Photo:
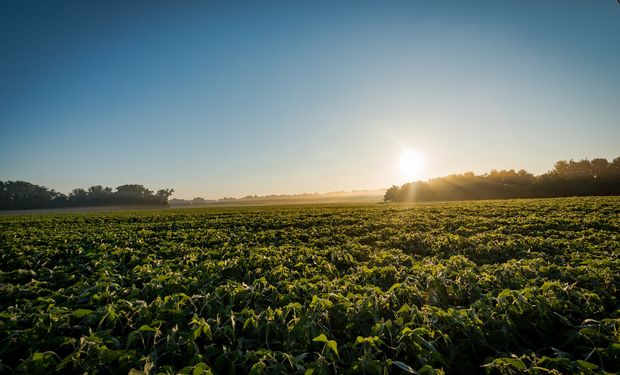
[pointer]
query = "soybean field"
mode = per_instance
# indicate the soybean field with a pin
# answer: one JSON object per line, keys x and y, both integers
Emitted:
{"x": 500, "y": 287}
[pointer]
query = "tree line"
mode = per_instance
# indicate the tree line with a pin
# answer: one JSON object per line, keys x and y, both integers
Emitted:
{"x": 25, "y": 195}
{"x": 567, "y": 178}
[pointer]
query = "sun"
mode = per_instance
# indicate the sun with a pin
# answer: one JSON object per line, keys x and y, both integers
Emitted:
{"x": 411, "y": 165}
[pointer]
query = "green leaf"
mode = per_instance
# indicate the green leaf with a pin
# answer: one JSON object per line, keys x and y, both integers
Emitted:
{"x": 586, "y": 364}
{"x": 393, "y": 287}
{"x": 320, "y": 338}
{"x": 80, "y": 313}
{"x": 333, "y": 345}
{"x": 516, "y": 363}
{"x": 147, "y": 328}
{"x": 257, "y": 368}
{"x": 403, "y": 366}
{"x": 249, "y": 323}
{"x": 426, "y": 369}
{"x": 202, "y": 368}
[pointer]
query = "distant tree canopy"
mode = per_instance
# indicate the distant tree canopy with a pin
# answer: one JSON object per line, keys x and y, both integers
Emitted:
{"x": 24, "y": 195}
{"x": 567, "y": 178}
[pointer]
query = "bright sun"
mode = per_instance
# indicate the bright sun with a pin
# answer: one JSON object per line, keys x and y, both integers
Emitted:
{"x": 411, "y": 165}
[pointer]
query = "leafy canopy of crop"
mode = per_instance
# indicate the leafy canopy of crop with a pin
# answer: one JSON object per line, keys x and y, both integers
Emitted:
{"x": 497, "y": 286}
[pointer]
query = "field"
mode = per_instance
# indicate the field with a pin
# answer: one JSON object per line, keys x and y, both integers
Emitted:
{"x": 468, "y": 287}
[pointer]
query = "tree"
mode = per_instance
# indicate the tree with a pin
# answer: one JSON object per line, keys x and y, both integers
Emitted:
{"x": 22, "y": 194}
{"x": 614, "y": 167}
{"x": 198, "y": 201}
{"x": 133, "y": 190}
{"x": 133, "y": 194}
{"x": 99, "y": 190}
{"x": 392, "y": 194}
{"x": 163, "y": 195}
{"x": 567, "y": 178}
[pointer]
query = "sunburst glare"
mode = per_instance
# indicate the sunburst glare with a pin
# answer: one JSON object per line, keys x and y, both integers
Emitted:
{"x": 412, "y": 165}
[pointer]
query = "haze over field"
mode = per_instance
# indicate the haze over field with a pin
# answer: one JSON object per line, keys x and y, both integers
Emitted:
{"x": 218, "y": 99}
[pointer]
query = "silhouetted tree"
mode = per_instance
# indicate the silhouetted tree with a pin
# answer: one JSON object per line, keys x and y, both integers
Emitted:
{"x": 163, "y": 194}
{"x": 392, "y": 194}
{"x": 79, "y": 196}
{"x": 614, "y": 167}
{"x": 567, "y": 178}
{"x": 21, "y": 194}
{"x": 198, "y": 201}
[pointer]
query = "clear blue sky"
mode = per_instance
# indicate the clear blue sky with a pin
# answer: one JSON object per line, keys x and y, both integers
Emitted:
{"x": 233, "y": 98}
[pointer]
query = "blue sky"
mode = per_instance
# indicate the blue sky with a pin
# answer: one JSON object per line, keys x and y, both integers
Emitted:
{"x": 233, "y": 98}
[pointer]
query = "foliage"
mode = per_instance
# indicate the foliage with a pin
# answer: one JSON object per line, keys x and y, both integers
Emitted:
{"x": 568, "y": 178}
{"x": 524, "y": 286}
{"x": 21, "y": 194}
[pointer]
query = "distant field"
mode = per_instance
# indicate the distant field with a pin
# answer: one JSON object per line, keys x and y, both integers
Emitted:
{"x": 465, "y": 287}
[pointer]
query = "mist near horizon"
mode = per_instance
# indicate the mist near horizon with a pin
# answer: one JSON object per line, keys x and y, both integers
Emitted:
{"x": 220, "y": 99}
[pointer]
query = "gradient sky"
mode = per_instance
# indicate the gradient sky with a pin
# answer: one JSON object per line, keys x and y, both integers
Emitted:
{"x": 226, "y": 99}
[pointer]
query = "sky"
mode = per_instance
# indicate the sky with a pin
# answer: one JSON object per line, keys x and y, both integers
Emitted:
{"x": 216, "y": 98}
